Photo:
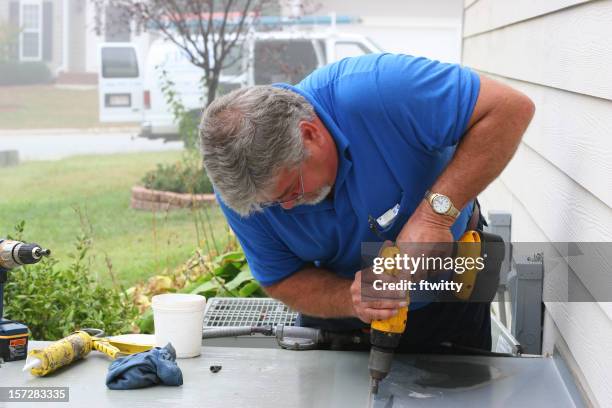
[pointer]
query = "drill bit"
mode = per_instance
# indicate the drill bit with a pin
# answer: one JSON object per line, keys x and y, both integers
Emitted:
{"x": 389, "y": 403}
{"x": 40, "y": 252}
{"x": 374, "y": 386}
{"x": 371, "y": 393}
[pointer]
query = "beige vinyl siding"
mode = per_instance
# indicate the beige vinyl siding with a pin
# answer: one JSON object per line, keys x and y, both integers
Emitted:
{"x": 487, "y": 15}
{"x": 558, "y": 186}
{"x": 553, "y": 135}
{"x": 569, "y": 49}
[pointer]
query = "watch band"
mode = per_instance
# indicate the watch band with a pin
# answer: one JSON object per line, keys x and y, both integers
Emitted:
{"x": 451, "y": 212}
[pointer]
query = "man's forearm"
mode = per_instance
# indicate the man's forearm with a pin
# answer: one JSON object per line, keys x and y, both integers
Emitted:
{"x": 488, "y": 145}
{"x": 315, "y": 292}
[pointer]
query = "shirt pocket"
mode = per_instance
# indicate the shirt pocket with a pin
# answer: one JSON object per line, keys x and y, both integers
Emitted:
{"x": 390, "y": 231}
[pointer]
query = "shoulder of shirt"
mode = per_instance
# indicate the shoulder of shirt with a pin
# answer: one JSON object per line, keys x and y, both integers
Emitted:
{"x": 340, "y": 70}
{"x": 350, "y": 67}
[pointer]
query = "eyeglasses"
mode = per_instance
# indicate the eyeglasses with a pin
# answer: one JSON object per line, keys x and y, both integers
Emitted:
{"x": 293, "y": 197}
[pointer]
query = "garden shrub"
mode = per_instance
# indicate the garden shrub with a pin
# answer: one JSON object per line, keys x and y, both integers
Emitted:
{"x": 225, "y": 275}
{"x": 54, "y": 301}
{"x": 188, "y": 174}
{"x": 184, "y": 176}
{"x": 24, "y": 73}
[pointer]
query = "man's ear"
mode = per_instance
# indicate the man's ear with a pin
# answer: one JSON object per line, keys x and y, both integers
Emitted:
{"x": 311, "y": 133}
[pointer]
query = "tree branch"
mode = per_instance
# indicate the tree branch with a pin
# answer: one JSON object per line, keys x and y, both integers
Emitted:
{"x": 194, "y": 27}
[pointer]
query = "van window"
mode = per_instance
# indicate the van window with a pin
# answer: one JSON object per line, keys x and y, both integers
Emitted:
{"x": 235, "y": 59}
{"x": 226, "y": 87}
{"x": 323, "y": 50}
{"x": 283, "y": 61}
{"x": 346, "y": 49}
{"x": 119, "y": 62}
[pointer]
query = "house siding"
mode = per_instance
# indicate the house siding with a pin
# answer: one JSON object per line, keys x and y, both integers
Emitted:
{"x": 557, "y": 186}
{"x": 51, "y": 32}
{"x": 58, "y": 24}
{"x": 4, "y": 11}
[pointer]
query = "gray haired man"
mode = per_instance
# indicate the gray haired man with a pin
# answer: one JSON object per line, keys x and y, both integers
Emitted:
{"x": 300, "y": 172}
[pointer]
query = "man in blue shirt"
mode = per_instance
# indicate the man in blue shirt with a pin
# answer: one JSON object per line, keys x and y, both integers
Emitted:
{"x": 300, "y": 172}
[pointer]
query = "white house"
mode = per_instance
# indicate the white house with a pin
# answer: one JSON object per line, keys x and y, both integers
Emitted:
{"x": 63, "y": 34}
{"x": 558, "y": 187}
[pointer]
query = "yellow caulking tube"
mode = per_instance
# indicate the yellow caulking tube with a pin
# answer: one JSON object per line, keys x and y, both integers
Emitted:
{"x": 58, "y": 354}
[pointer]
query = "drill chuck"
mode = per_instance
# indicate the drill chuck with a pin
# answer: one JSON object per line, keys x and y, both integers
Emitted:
{"x": 380, "y": 363}
{"x": 381, "y": 355}
{"x": 17, "y": 253}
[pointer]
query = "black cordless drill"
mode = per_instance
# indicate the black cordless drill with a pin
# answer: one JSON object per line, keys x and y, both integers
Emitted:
{"x": 14, "y": 335}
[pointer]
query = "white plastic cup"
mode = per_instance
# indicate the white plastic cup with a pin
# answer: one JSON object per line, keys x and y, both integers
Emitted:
{"x": 178, "y": 320}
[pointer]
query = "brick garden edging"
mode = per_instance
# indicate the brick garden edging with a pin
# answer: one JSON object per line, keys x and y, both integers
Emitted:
{"x": 155, "y": 200}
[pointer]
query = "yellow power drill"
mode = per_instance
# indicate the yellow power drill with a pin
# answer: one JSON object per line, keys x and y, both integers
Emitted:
{"x": 385, "y": 335}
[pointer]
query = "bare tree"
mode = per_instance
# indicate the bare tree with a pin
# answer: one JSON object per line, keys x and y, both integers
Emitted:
{"x": 206, "y": 30}
{"x": 9, "y": 35}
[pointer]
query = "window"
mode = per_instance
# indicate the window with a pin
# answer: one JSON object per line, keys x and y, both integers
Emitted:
{"x": 283, "y": 61}
{"x": 233, "y": 61}
{"x": 119, "y": 62}
{"x": 30, "y": 37}
{"x": 350, "y": 49}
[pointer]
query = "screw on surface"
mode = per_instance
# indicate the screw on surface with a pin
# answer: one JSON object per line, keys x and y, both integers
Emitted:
{"x": 537, "y": 257}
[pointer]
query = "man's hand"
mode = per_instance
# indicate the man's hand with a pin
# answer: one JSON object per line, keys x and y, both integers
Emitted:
{"x": 371, "y": 304}
{"x": 366, "y": 311}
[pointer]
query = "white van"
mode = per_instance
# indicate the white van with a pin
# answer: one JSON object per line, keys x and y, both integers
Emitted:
{"x": 261, "y": 58}
{"x": 120, "y": 80}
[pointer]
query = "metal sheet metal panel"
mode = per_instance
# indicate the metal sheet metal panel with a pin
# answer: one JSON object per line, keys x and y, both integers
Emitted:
{"x": 473, "y": 381}
{"x": 249, "y": 378}
{"x": 274, "y": 377}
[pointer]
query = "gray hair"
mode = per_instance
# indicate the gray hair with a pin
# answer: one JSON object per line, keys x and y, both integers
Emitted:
{"x": 247, "y": 136}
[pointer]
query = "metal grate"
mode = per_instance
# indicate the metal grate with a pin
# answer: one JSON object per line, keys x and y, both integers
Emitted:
{"x": 222, "y": 312}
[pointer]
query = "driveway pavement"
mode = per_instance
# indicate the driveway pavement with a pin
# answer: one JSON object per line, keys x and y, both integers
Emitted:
{"x": 57, "y": 144}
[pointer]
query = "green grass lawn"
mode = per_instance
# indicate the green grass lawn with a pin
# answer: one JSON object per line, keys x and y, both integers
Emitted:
{"x": 46, "y": 106}
{"x": 138, "y": 243}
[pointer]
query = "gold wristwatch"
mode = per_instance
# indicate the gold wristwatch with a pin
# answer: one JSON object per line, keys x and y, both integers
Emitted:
{"x": 441, "y": 204}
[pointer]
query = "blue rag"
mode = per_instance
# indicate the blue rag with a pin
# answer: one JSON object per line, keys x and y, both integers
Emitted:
{"x": 152, "y": 367}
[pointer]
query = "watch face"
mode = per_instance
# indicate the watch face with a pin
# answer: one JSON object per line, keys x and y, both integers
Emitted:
{"x": 441, "y": 204}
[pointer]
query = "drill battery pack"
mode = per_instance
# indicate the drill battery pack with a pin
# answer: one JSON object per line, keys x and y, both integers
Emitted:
{"x": 13, "y": 340}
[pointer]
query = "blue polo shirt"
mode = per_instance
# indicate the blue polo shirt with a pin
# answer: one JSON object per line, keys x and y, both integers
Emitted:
{"x": 396, "y": 120}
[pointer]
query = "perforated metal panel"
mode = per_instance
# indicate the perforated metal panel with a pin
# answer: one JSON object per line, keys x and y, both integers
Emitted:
{"x": 222, "y": 312}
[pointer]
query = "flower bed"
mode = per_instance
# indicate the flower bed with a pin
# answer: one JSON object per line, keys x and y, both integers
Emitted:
{"x": 156, "y": 200}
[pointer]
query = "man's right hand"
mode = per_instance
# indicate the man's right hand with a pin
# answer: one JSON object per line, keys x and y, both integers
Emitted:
{"x": 375, "y": 308}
